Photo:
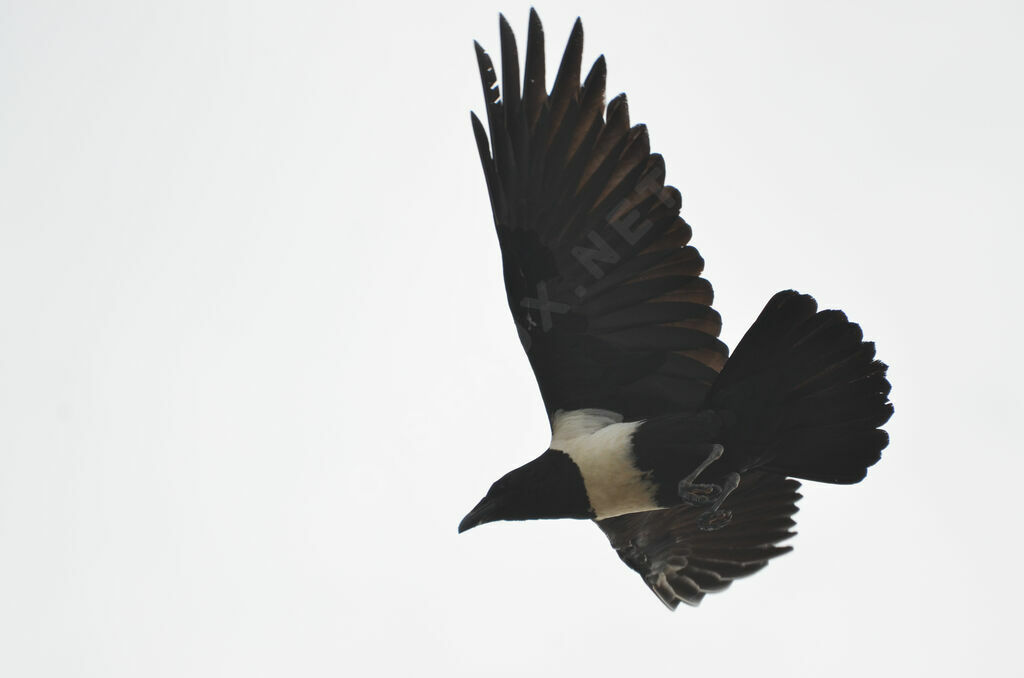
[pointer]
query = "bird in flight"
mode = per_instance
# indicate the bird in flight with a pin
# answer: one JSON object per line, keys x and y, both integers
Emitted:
{"x": 686, "y": 457}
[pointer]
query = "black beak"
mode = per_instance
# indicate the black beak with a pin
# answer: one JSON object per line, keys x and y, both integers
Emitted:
{"x": 481, "y": 513}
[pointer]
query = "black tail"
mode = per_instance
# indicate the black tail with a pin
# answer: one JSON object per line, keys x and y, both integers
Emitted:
{"x": 807, "y": 393}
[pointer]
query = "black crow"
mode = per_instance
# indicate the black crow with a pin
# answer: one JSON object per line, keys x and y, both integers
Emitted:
{"x": 683, "y": 455}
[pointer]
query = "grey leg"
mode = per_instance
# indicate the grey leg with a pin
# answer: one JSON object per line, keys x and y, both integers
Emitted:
{"x": 715, "y": 518}
{"x": 701, "y": 494}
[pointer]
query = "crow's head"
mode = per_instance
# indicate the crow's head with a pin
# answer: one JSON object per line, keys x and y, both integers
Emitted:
{"x": 550, "y": 486}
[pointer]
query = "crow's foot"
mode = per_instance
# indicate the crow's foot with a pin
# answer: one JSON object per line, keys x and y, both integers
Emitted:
{"x": 709, "y": 521}
{"x": 701, "y": 494}
{"x": 715, "y": 518}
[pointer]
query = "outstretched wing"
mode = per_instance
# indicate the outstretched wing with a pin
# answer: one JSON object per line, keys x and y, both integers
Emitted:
{"x": 681, "y": 563}
{"x": 604, "y": 290}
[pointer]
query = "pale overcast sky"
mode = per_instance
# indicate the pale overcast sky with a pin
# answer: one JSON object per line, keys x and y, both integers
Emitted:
{"x": 256, "y": 363}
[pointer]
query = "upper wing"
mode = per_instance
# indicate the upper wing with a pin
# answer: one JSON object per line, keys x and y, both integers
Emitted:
{"x": 603, "y": 288}
{"x": 681, "y": 563}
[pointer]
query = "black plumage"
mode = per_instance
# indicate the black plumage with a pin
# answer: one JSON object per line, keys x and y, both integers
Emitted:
{"x": 607, "y": 296}
{"x": 682, "y": 563}
{"x": 598, "y": 277}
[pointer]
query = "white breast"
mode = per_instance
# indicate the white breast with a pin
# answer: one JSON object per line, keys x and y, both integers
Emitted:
{"x": 600, "y": 444}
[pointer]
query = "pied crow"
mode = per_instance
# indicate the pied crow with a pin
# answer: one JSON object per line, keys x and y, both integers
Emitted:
{"x": 685, "y": 456}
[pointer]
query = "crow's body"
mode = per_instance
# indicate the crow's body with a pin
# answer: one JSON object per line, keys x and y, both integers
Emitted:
{"x": 682, "y": 454}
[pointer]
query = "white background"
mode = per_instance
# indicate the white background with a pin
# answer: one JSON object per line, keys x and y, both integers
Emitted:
{"x": 255, "y": 359}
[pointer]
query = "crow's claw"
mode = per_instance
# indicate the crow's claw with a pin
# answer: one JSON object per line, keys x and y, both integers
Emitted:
{"x": 715, "y": 518}
{"x": 709, "y": 521}
{"x": 699, "y": 494}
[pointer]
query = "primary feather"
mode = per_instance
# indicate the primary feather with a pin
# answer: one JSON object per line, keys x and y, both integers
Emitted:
{"x": 608, "y": 299}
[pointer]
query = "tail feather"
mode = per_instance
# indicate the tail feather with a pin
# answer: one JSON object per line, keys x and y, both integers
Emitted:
{"x": 807, "y": 393}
